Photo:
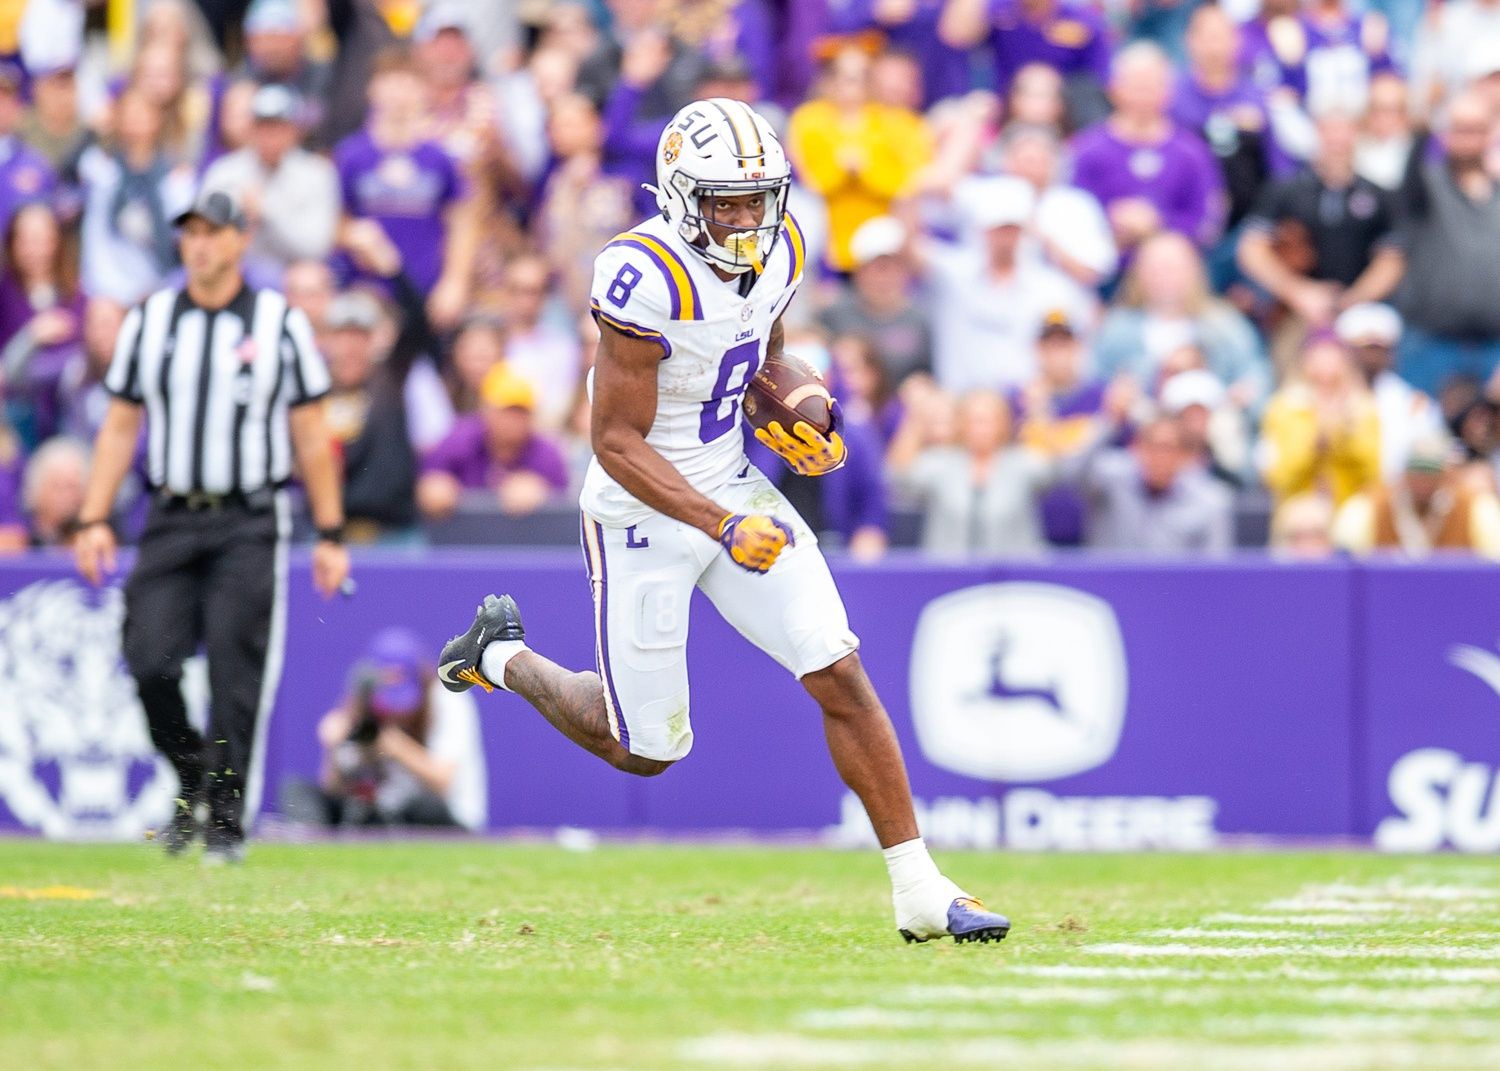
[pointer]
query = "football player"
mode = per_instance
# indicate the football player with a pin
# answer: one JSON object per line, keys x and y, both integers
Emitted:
{"x": 689, "y": 306}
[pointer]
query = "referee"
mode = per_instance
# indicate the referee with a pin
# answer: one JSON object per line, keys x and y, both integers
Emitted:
{"x": 222, "y": 375}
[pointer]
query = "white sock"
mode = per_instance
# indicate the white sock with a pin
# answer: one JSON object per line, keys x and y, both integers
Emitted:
{"x": 497, "y": 655}
{"x": 909, "y": 864}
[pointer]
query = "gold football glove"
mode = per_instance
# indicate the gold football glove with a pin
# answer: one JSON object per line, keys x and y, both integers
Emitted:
{"x": 807, "y": 451}
{"x": 754, "y": 542}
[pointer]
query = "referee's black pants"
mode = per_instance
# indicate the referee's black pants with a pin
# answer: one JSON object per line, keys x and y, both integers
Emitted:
{"x": 208, "y": 578}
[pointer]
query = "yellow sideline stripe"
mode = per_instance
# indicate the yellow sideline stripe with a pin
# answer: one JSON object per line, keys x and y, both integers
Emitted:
{"x": 48, "y": 892}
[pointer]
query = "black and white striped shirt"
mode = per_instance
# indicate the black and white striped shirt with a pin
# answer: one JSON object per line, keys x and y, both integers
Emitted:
{"x": 217, "y": 386}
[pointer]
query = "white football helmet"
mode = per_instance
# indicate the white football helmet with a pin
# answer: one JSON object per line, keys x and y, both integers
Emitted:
{"x": 721, "y": 147}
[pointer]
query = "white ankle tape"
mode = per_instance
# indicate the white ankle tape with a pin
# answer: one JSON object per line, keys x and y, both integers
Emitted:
{"x": 909, "y": 864}
{"x": 497, "y": 655}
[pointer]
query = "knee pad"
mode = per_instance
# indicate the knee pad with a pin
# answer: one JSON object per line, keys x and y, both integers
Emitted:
{"x": 660, "y": 730}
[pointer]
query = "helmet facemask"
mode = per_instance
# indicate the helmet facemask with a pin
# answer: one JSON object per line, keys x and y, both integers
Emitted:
{"x": 743, "y": 249}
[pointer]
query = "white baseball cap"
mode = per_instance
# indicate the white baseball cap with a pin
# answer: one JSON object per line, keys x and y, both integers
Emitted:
{"x": 882, "y": 236}
{"x": 999, "y": 201}
{"x": 1368, "y": 322}
{"x": 273, "y": 16}
{"x": 353, "y": 308}
{"x": 275, "y": 103}
{"x": 1196, "y": 386}
{"x": 1482, "y": 58}
{"x": 443, "y": 15}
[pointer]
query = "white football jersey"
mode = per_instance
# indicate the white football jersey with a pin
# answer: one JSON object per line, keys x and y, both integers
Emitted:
{"x": 648, "y": 283}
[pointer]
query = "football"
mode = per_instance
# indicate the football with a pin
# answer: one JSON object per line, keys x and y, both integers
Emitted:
{"x": 788, "y": 389}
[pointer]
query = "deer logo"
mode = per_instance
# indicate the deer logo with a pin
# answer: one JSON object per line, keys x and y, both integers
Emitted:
{"x": 1018, "y": 682}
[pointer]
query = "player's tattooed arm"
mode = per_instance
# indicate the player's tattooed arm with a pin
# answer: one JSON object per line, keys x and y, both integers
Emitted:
{"x": 624, "y": 409}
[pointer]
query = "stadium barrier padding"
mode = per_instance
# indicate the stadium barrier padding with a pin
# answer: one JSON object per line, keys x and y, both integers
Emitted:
{"x": 1077, "y": 702}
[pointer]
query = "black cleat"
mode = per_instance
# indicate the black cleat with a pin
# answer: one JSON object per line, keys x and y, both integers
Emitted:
{"x": 178, "y": 833}
{"x": 498, "y": 618}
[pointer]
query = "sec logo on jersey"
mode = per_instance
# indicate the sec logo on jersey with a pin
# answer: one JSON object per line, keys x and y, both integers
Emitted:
{"x": 1018, "y": 682}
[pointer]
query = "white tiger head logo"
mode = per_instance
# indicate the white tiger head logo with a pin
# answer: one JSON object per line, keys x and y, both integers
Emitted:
{"x": 76, "y": 760}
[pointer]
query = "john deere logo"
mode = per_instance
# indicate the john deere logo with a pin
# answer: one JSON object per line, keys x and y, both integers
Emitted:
{"x": 673, "y": 148}
{"x": 1018, "y": 682}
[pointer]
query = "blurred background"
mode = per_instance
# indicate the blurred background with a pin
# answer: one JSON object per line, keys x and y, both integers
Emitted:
{"x": 1166, "y": 332}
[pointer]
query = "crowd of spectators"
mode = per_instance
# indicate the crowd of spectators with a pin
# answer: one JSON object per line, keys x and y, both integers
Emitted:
{"x": 1088, "y": 272}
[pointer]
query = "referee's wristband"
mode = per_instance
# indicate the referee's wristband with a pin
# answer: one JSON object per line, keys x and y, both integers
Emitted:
{"x": 331, "y": 535}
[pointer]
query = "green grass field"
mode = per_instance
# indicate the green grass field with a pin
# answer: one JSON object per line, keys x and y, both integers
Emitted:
{"x": 454, "y": 956}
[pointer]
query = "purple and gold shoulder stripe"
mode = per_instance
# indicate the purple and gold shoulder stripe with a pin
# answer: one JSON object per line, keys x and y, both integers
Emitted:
{"x": 797, "y": 245}
{"x": 683, "y": 292}
{"x": 626, "y": 327}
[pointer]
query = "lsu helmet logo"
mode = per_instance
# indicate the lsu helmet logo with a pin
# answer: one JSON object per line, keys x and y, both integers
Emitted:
{"x": 75, "y": 757}
{"x": 1018, "y": 682}
{"x": 673, "y": 148}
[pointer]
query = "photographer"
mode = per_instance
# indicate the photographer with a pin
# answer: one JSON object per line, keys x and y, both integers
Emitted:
{"x": 398, "y": 750}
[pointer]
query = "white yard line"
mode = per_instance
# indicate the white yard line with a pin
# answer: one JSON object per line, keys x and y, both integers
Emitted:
{"x": 1127, "y": 949}
{"x": 1295, "y": 918}
{"x": 1020, "y": 993}
{"x": 1436, "y": 974}
{"x": 982, "y": 1008}
{"x": 866, "y": 1018}
{"x": 1087, "y": 972}
{"x": 1101, "y": 993}
{"x": 1345, "y": 905}
{"x": 1288, "y": 972}
{"x": 793, "y": 1050}
{"x": 1237, "y": 935}
{"x": 1387, "y": 897}
{"x": 1340, "y": 1027}
{"x": 1396, "y": 890}
{"x": 1419, "y": 997}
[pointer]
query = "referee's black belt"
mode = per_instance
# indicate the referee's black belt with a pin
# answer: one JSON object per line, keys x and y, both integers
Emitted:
{"x": 257, "y": 501}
